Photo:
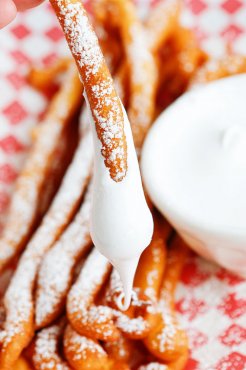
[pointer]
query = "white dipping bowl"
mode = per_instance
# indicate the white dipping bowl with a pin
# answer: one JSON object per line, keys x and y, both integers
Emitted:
{"x": 194, "y": 168}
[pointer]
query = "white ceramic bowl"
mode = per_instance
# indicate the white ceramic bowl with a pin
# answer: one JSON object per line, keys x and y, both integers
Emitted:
{"x": 224, "y": 243}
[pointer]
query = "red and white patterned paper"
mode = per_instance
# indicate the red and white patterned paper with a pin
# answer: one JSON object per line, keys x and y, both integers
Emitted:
{"x": 211, "y": 301}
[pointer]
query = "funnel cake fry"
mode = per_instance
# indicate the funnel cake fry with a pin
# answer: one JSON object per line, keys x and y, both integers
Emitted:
{"x": 107, "y": 34}
{"x": 215, "y": 69}
{"x": 135, "y": 322}
{"x": 46, "y": 348}
{"x": 24, "y": 204}
{"x": 149, "y": 275}
{"x": 56, "y": 271}
{"x": 18, "y": 300}
{"x": 121, "y": 350}
{"x": 85, "y": 317}
{"x": 162, "y": 22}
{"x": 167, "y": 341}
{"x": 104, "y": 102}
{"x": 142, "y": 68}
{"x": 85, "y": 353}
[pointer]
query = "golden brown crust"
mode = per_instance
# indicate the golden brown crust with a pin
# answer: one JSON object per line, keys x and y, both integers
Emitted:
{"x": 104, "y": 102}
{"x": 162, "y": 23}
{"x": 87, "y": 354}
{"x": 85, "y": 317}
{"x": 24, "y": 204}
{"x": 215, "y": 69}
{"x": 167, "y": 341}
{"x": 46, "y": 354}
{"x": 142, "y": 67}
{"x": 18, "y": 328}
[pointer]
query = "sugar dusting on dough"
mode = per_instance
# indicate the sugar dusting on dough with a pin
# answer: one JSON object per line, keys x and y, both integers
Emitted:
{"x": 80, "y": 302}
{"x": 18, "y": 299}
{"x": 46, "y": 349}
{"x": 55, "y": 272}
{"x": 104, "y": 102}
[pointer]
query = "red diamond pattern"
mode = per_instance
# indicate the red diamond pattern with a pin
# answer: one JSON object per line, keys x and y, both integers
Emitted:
{"x": 20, "y": 57}
{"x": 191, "y": 307}
{"x": 55, "y": 34}
{"x": 232, "y": 6}
{"x": 192, "y": 276}
{"x": 11, "y": 145}
{"x": 232, "y": 32}
{"x": 7, "y": 174}
{"x": 229, "y": 277}
{"x": 233, "y": 307}
{"x": 16, "y": 80}
{"x": 4, "y": 201}
{"x": 234, "y": 335}
{"x": 49, "y": 59}
{"x": 234, "y": 361}
{"x": 196, "y": 6}
{"x": 15, "y": 113}
{"x": 20, "y": 31}
{"x": 196, "y": 338}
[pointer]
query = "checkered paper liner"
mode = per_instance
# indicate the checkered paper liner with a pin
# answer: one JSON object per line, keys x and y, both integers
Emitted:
{"x": 211, "y": 302}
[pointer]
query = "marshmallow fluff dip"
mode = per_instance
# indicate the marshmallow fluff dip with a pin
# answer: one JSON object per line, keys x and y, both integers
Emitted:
{"x": 121, "y": 222}
{"x": 194, "y": 168}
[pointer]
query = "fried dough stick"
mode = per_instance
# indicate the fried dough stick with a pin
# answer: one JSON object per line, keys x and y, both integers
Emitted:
{"x": 179, "y": 59}
{"x": 229, "y": 65}
{"x": 104, "y": 102}
{"x": 85, "y": 317}
{"x": 162, "y": 22}
{"x": 25, "y": 201}
{"x": 149, "y": 275}
{"x": 46, "y": 354}
{"x": 140, "y": 318}
{"x": 141, "y": 64}
{"x": 19, "y": 300}
{"x": 87, "y": 354}
{"x": 167, "y": 341}
{"x": 56, "y": 271}
{"x": 107, "y": 34}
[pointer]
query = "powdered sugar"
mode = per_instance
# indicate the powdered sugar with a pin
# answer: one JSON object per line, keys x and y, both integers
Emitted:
{"x": 56, "y": 269}
{"x": 29, "y": 185}
{"x": 80, "y": 308}
{"x": 143, "y": 72}
{"x": 46, "y": 354}
{"x": 80, "y": 347}
{"x": 170, "y": 327}
{"x": 136, "y": 326}
{"x": 103, "y": 100}
{"x": 18, "y": 298}
{"x": 90, "y": 279}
